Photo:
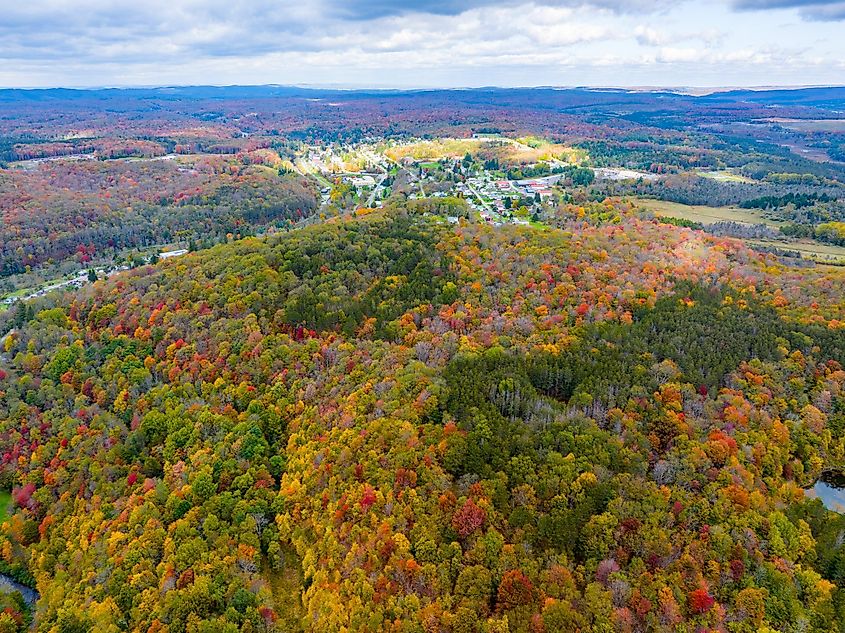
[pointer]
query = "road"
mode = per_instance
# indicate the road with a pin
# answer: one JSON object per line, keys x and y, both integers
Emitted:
{"x": 411, "y": 177}
{"x": 81, "y": 278}
{"x": 376, "y": 189}
{"x": 493, "y": 213}
{"x": 483, "y": 202}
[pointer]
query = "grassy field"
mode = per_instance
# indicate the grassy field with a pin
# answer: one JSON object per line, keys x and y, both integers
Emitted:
{"x": 286, "y": 587}
{"x": 725, "y": 176}
{"x": 435, "y": 150}
{"x": 520, "y": 151}
{"x": 307, "y": 169}
{"x": 531, "y": 149}
{"x": 810, "y": 249}
{"x": 5, "y": 503}
{"x": 706, "y": 215}
{"x": 812, "y": 125}
{"x": 22, "y": 293}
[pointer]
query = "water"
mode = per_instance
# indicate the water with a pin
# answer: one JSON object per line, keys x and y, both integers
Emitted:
{"x": 9, "y": 584}
{"x": 830, "y": 488}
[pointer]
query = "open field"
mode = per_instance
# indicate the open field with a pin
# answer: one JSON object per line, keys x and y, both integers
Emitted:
{"x": 705, "y": 214}
{"x": 725, "y": 176}
{"x": 307, "y": 169}
{"x": 531, "y": 149}
{"x": 809, "y": 249}
{"x": 285, "y": 586}
{"x": 436, "y": 149}
{"x": 5, "y": 503}
{"x": 23, "y": 293}
{"x": 526, "y": 150}
{"x": 619, "y": 173}
{"x": 811, "y": 125}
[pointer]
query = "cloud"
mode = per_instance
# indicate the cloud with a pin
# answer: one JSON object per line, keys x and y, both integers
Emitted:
{"x": 649, "y": 36}
{"x": 371, "y": 9}
{"x": 820, "y": 10}
{"x": 671, "y": 55}
{"x": 423, "y": 42}
{"x": 105, "y": 31}
{"x": 780, "y": 4}
{"x": 832, "y": 12}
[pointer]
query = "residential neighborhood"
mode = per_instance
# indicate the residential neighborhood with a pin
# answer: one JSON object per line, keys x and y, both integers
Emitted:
{"x": 370, "y": 172}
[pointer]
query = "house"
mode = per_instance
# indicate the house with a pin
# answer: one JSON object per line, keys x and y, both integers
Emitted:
{"x": 363, "y": 181}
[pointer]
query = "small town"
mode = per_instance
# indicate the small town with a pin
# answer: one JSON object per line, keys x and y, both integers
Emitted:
{"x": 367, "y": 174}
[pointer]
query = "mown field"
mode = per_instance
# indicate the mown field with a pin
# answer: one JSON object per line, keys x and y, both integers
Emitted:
{"x": 813, "y": 125}
{"x": 527, "y": 150}
{"x": 725, "y": 176}
{"x": 810, "y": 249}
{"x": 706, "y": 214}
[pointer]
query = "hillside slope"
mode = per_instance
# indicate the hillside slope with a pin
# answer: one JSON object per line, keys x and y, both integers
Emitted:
{"x": 404, "y": 425}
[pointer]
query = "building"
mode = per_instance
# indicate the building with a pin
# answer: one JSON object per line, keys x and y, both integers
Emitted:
{"x": 363, "y": 181}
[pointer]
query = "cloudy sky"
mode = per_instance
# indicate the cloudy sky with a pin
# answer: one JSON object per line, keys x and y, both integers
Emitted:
{"x": 422, "y": 43}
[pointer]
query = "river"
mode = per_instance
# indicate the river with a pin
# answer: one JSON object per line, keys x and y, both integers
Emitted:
{"x": 830, "y": 488}
{"x": 9, "y": 584}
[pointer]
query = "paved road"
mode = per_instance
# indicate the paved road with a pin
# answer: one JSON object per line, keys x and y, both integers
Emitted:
{"x": 80, "y": 279}
{"x": 375, "y": 190}
{"x": 495, "y": 215}
{"x": 483, "y": 202}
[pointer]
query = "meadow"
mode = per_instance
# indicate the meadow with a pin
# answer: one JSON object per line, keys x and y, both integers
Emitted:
{"x": 809, "y": 249}
{"x": 706, "y": 214}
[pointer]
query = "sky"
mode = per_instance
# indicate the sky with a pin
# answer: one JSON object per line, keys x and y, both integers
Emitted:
{"x": 422, "y": 43}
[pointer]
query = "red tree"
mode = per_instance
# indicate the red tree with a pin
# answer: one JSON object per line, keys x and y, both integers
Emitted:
{"x": 515, "y": 590}
{"x": 699, "y": 601}
{"x": 468, "y": 518}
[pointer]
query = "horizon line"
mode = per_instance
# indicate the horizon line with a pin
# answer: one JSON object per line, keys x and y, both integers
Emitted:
{"x": 690, "y": 89}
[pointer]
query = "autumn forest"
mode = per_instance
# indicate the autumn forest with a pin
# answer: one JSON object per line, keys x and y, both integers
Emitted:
{"x": 499, "y": 362}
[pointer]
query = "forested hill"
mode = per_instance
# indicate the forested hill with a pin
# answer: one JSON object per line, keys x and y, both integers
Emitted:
{"x": 392, "y": 423}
